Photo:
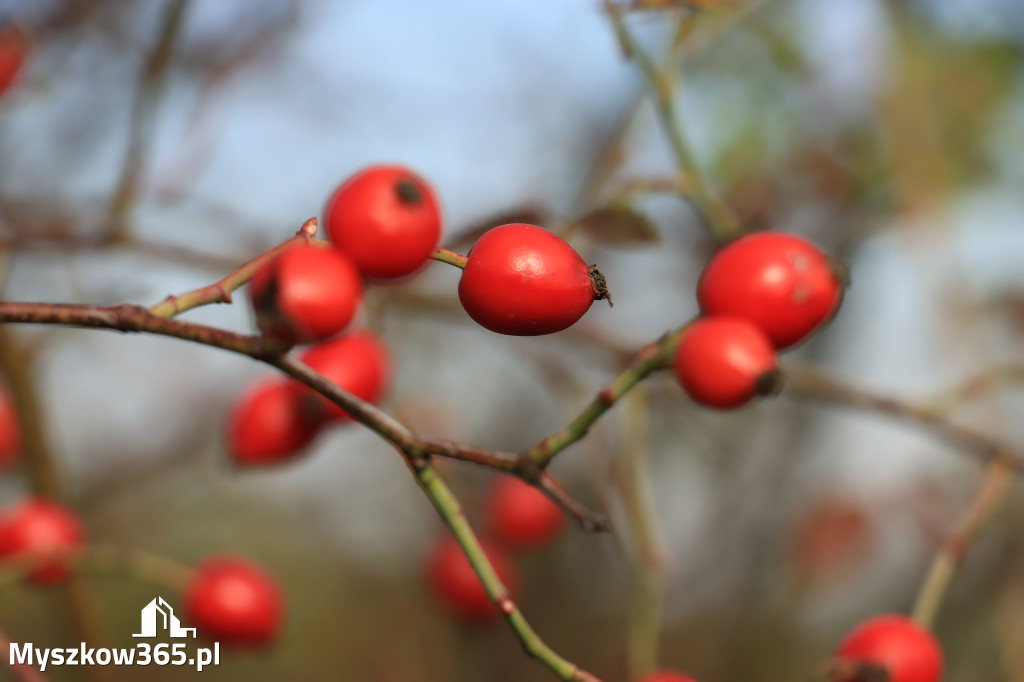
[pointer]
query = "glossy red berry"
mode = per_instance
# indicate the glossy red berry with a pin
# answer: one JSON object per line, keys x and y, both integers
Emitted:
{"x": 723, "y": 362}
{"x": 521, "y": 516}
{"x": 908, "y": 652}
{"x": 13, "y": 49}
{"x": 46, "y": 534}
{"x": 358, "y": 362}
{"x": 306, "y": 294}
{"x": 387, "y": 219}
{"x": 780, "y": 282}
{"x": 523, "y": 280}
{"x": 665, "y": 676}
{"x": 231, "y": 600}
{"x": 269, "y": 425}
{"x": 456, "y": 585}
{"x": 10, "y": 432}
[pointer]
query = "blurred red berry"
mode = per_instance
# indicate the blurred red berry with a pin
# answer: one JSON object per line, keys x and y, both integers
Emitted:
{"x": 13, "y": 49}
{"x": 268, "y": 425}
{"x": 45, "y": 534}
{"x": 456, "y": 584}
{"x": 523, "y": 280}
{"x": 908, "y": 652}
{"x": 780, "y": 282}
{"x": 232, "y": 601}
{"x": 387, "y": 219}
{"x": 723, "y": 362}
{"x": 357, "y": 362}
{"x": 521, "y": 516}
{"x": 306, "y": 294}
{"x": 10, "y": 432}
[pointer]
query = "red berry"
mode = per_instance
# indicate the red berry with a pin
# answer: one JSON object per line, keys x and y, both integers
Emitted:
{"x": 357, "y": 362}
{"x": 231, "y": 600}
{"x": 457, "y": 585}
{"x": 387, "y": 219}
{"x": 269, "y": 426}
{"x": 521, "y": 516}
{"x": 523, "y": 280}
{"x": 908, "y": 652}
{"x": 46, "y": 534}
{"x": 13, "y": 48}
{"x": 723, "y": 362}
{"x": 665, "y": 676}
{"x": 10, "y": 432}
{"x": 780, "y": 282}
{"x": 306, "y": 294}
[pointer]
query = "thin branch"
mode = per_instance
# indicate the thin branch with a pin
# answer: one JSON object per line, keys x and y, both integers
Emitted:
{"x": 220, "y": 291}
{"x": 987, "y": 500}
{"x": 132, "y": 318}
{"x": 813, "y": 384}
{"x": 105, "y": 560}
{"x": 147, "y": 101}
{"x": 653, "y": 357}
{"x": 723, "y": 222}
{"x": 450, "y": 510}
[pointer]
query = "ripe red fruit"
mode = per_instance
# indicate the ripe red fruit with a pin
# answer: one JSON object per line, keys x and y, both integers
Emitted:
{"x": 665, "y": 676}
{"x": 268, "y": 425}
{"x": 231, "y": 600}
{"x": 44, "y": 533}
{"x": 522, "y": 280}
{"x": 10, "y": 432}
{"x": 306, "y": 294}
{"x": 13, "y": 48}
{"x": 456, "y": 584}
{"x": 357, "y": 362}
{"x": 723, "y": 362}
{"x": 387, "y": 219}
{"x": 906, "y": 650}
{"x": 521, "y": 516}
{"x": 780, "y": 282}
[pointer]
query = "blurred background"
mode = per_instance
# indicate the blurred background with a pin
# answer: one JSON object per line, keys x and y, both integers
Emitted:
{"x": 148, "y": 148}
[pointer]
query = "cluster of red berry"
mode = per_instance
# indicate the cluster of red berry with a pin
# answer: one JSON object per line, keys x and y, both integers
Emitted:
{"x": 519, "y": 518}
{"x": 229, "y": 599}
{"x": 384, "y": 223}
{"x": 760, "y": 294}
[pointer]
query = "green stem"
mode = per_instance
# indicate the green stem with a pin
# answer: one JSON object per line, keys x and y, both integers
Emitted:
{"x": 989, "y": 496}
{"x": 451, "y": 512}
{"x": 650, "y": 359}
{"x": 648, "y": 552}
{"x": 449, "y": 257}
{"x": 720, "y": 219}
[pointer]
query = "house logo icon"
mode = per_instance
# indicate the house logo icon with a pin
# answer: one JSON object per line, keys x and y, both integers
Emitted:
{"x": 170, "y": 621}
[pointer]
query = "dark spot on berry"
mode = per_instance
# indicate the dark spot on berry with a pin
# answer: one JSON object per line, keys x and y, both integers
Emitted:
{"x": 408, "y": 192}
{"x": 769, "y": 383}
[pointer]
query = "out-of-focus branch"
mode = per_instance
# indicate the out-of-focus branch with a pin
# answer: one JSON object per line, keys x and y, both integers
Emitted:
{"x": 106, "y": 561}
{"x": 650, "y": 359}
{"x": 987, "y": 499}
{"x": 818, "y": 386}
{"x": 147, "y": 102}
{"x": 721, "y": 220}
